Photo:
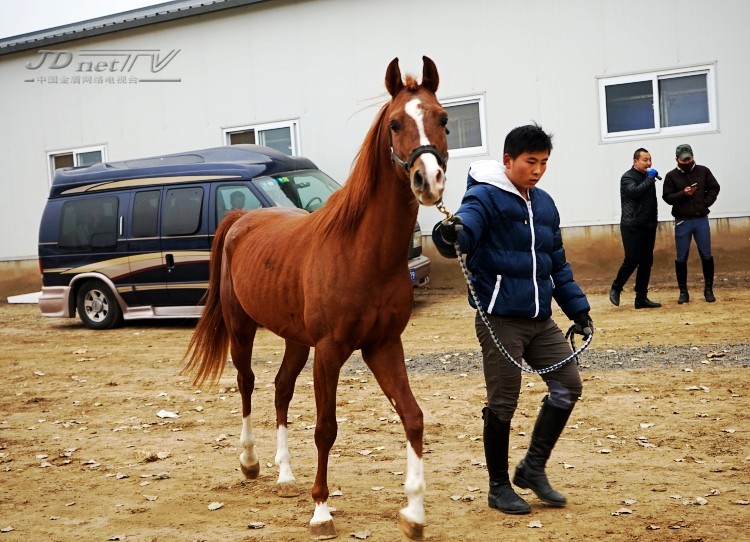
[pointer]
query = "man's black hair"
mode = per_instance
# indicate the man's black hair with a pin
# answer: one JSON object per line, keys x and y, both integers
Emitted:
{"x": 637, "y": 153}
{"x": 528, "y": 138}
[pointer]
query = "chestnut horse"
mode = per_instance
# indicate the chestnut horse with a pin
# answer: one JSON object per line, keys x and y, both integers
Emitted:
{"x": 336, "y": 280}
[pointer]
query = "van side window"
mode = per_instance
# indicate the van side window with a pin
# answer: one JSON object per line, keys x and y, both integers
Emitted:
{"x": 231, "y": 197}
{"x": 182, "y": 211}
{"x": 89, "y": 223}
{"x": 146, "y": 214}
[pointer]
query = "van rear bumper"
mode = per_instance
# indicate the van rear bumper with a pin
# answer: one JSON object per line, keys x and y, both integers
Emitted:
{"x": 54, "y": 302}
{"x": 419, "y": 270}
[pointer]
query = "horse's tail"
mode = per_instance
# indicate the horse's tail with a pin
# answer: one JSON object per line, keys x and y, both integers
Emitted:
{"x": 209, "y": 345}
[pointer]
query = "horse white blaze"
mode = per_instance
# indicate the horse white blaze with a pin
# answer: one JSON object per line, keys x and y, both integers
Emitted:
{"x": 432, "y": 170}
{"x": 248, "y": 458}
{"x": 414, "y": 109}
{"x": 283, "y": 459}
{"x": 414, "y": 487}
{"x": 322, "y": 513}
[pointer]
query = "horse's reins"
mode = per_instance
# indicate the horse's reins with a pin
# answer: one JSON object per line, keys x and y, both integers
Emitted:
{"x": 569, "y": 335}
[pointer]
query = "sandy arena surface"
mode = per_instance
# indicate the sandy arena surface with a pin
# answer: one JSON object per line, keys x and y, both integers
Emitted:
{"x": 657, "y": 449}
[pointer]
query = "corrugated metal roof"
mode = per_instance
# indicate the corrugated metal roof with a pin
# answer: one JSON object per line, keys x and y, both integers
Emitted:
{"x": 168, "y": 11}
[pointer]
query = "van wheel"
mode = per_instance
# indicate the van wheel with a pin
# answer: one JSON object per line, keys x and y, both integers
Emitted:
{"x": 97, "y": 306}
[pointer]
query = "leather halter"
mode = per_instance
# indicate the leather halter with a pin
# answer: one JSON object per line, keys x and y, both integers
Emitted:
{"x": 416, "y": 153}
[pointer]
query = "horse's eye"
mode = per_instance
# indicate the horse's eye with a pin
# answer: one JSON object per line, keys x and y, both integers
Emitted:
{"x": 395, "y": 126}
{"x": 444, "y": 121}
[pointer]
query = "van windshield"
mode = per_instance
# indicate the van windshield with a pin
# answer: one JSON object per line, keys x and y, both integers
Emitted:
{"x": 308, "y": 189}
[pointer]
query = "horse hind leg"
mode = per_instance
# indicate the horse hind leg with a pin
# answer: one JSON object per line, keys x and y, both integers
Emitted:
{"x": 295, "y": 358}
{"x": 387, "y": 365}
{"x": 242, "y": 333}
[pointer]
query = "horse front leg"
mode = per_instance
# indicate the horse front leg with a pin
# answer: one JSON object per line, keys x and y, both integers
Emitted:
{"x": 387, "y": 365}
{"x": 329, "y": 357}
{"x": 295, "y": 357}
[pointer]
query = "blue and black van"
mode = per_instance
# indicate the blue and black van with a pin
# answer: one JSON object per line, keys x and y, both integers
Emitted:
{"x": 132, "y": 239}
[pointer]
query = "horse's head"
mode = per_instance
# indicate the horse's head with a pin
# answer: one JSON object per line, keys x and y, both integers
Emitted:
{"x": 417, "y": 130}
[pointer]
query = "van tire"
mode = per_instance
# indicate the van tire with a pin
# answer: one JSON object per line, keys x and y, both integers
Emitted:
{"x": 97, "y": 306}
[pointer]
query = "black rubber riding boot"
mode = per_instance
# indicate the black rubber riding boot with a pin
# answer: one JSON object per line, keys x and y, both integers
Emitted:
{"x": 614, "y": 296}
{"x": 496, "y": 437}
{"x": 680, "y": 269}
{"x": 643, "y": 302}
{"x": 708, "y": 277}
{"x": 530, "y": 471}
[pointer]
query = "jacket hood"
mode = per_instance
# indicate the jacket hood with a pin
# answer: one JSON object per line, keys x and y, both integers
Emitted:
{"x": 490, "y": 172}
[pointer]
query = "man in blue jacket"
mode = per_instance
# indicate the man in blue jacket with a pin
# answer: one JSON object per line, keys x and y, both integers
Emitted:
{"x": 510, "y": 231}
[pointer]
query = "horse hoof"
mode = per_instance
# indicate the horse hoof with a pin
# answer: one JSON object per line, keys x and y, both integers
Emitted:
{"x": 287, "y": 489}
{"x": 251, "y": 472}
{"x": 411, "y": 530}
{"x": 323, "y": 531}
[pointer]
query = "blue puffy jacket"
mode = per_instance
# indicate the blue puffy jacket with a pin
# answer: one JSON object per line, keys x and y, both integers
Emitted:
{"x": 514, "y": 248}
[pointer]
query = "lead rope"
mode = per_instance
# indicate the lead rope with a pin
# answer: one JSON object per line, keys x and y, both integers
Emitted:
{"x": 569, "y": 335}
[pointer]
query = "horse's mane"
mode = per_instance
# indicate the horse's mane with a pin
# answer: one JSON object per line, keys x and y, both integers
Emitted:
{"x": 411, "y": 83}
{"x": 345, "y": 207}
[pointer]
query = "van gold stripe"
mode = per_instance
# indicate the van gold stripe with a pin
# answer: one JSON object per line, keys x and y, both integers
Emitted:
{"x": 148, "y": 181}
{"x": 122, "y": 265}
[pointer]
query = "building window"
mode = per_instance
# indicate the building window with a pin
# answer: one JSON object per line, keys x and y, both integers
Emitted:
{"x": 466, "y": 125}
{"x": 281, "y": 136}
{"x": 75, "y": 158}
{"x": 660, "y": 103}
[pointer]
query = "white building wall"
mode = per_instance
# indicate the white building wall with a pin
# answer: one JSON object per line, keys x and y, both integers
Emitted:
{"x": 323, "y": 62}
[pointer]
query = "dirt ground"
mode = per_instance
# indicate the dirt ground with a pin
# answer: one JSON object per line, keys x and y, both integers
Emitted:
{"x": 654, "y": 453}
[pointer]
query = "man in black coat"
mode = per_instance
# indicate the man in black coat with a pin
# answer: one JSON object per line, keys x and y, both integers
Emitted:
{"x": 638, "y": 222}
{"x": 691, "y": 189}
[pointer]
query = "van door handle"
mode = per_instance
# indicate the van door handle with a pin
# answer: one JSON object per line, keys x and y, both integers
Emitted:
{"x": 170, "y": 262}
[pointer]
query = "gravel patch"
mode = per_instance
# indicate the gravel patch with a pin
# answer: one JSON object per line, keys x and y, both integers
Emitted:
{"x": 640, "y": 357}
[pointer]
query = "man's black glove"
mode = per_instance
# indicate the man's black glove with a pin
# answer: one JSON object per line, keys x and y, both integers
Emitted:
{"x": 449, "y": 229}
{"x": 583, "y": 325}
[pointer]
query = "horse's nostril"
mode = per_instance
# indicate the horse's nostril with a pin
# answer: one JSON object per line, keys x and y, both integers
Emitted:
{"x": 418, "y": 179}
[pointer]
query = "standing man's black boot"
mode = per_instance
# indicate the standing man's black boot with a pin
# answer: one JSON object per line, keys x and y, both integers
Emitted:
{"x": 708, "y": 277}
{"x": 680, "y": 269}
{"x": 496, "y": 438}
{"x": 614, "y": 295}
{"x": 530, "y": 471}
{"x": 643, "y": 302}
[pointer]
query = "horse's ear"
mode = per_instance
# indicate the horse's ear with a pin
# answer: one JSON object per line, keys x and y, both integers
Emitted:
{"x": 430, "y": 77}
{"x": 393, "y": 81}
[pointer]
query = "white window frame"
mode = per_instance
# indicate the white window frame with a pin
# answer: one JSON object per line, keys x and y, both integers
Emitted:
{"x": 292, "y": 124}
{"x": 478, "y": 99}
{"x": 76, "y": 152}
{"x": 712, "y": 125}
